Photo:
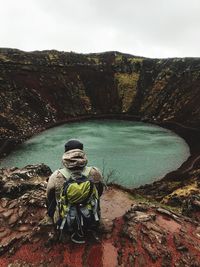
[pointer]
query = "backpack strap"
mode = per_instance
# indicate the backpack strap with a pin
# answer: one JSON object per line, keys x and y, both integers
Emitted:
{"x": 86, "y": 171}
{"x": 67, "y": 173}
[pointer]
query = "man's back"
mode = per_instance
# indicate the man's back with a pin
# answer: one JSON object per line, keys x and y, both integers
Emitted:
{"x": 74, "y": 161}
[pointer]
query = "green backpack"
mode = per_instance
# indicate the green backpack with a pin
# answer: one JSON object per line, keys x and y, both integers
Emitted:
{"x": 79, "y": 203}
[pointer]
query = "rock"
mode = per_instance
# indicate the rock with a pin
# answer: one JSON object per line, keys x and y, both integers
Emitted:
{"x": 191, "y": 207}
{"x": 46, "y": 221}
{"x": 4, "y": 202}
{"x": 24, "y": 228}
{"x": 4, "y": 233}
{"x": 13, "y": 204}
{"x": 40, "y": 169}
{"x": 170, "y": 214}
{"x": 155, "y": 235}
{"x": 7, "y": 213}
{"x": 13, "y": 169}
{"x": 21, "y": 212}
{"x": 17, "y": 182}
{"x": 13, "y": 219}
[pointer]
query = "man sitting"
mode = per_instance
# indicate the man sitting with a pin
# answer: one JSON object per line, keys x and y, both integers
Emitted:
{"x": 73, "y": 194}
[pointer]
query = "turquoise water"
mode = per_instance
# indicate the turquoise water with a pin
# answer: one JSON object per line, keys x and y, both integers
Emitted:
{"x": 135, "y": 153}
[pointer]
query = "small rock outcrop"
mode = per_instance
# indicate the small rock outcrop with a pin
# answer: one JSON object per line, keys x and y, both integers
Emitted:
{"x": 178, "y": 189}
{"x": 191, "y": 207}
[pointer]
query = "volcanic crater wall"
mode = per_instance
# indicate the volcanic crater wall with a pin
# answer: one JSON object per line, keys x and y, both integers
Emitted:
{"x": 40, "y": 89}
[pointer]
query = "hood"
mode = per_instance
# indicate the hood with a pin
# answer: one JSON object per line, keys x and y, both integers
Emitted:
{"x": 75, "y": 158}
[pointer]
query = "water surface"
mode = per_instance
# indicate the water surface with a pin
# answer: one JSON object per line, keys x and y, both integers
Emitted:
{"x": 136, "y": 153}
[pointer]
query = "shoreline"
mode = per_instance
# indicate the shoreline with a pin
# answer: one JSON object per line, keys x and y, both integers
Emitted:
{"x": 190, "y": 135}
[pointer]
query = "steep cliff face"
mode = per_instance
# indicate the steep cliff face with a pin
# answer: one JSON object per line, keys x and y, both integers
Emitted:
{"x": 41, "y": 88}
{"x": 169, "y": 90}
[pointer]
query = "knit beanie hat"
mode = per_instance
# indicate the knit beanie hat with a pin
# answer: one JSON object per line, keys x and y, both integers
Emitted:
{"x": 73, "y": 144}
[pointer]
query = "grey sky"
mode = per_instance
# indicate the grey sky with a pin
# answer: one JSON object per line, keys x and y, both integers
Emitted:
{"x": 153, "y": 28}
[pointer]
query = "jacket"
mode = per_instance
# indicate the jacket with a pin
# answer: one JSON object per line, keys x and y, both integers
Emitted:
{"x": 75, "y": 162}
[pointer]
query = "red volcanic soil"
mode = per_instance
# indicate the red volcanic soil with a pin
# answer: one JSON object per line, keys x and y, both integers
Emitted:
{"x": 37, "y": 251}
{"x": 145, "y": 235}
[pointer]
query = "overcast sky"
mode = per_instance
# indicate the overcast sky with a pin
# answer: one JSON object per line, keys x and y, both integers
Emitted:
{"x": 152, "y": 28}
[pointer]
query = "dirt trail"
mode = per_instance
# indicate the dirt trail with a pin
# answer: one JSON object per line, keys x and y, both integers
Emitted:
{"x": 114, "y": 203}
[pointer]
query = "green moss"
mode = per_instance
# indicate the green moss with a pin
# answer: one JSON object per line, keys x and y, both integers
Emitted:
{"x": 94, "y": 59}
{"x": 174, "y": 185}
{"x": 118, "y": 58}
{"x": 27, "y": 62}
{"x": 183, "y": 192}
{"x": 136, "y": 60}
{"x": 52, "y": 56}
{"x": 126, "y": 84}
{"x": 141, "y": 199}
{"x": 4, "y": 58}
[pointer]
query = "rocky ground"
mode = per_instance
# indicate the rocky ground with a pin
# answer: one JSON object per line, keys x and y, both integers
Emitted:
{"x": 180, "y": 188}
{"x": 133, "y": 232}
